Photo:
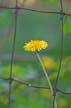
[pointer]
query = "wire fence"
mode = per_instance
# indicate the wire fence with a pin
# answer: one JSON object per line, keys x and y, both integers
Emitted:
{"x": 11, "y": 79}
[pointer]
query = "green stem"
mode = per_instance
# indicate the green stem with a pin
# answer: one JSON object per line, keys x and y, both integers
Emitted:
{"x": 55, "y": 104}
{"x": 38, "y": 56}
{"x": 47, "y": 77}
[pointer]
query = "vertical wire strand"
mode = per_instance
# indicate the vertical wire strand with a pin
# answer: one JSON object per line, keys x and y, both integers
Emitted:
{"x": 61, "y": 53}
{"x": 12, "y": 56}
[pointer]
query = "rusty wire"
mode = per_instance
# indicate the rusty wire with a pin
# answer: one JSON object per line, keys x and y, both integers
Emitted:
{"x": 61, "y": 54}
{"x": 12, "y": 55}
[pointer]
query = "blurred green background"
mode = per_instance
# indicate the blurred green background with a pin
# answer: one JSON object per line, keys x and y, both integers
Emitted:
{"x": 33, "y": 25}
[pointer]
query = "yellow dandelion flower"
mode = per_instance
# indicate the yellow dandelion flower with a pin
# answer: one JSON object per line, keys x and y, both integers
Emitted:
{"x": 35, "y": 45}
{"x": 48, "y": 62}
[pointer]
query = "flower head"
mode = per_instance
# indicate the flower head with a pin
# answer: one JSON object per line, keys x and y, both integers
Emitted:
{"x": 35, "y": 45}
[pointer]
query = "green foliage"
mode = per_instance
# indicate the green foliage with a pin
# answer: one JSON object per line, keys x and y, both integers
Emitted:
{"x": 50, "y": 1}
{"x": 29, "y": 71}
{"x": 67, "y": 25}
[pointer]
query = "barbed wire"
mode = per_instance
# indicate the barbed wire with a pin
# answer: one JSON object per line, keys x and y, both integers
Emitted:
{"x": 35, "y": 10}
{"x": 33, "y": 86}
{"x": 11, "y": 79}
